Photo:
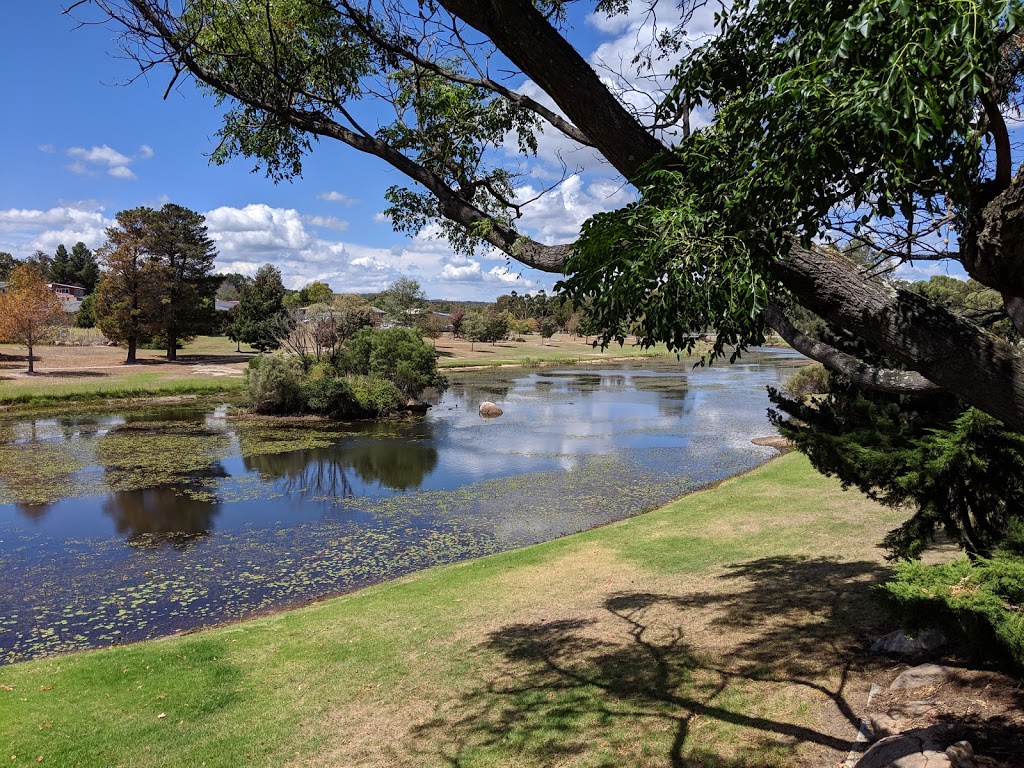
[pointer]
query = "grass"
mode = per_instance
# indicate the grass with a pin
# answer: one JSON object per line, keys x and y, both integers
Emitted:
{"x": 721, "y": 630}
{"x": 561, "y": 348}
{"x": 208, "y": 365}
{"x": 145, "y": 384}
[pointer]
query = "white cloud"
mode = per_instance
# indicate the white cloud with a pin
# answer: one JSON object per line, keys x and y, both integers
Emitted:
{"x": 100, "y": 155}
{"x": 557, "y": 216}
{"x": 337, "y": 197}
{"x": 24, "y": 231}
{"x": 116, "y": 163}
{"x": 256, "y": 234}
{"x": 122, "y": 172}
{"x": 458, "y": 273}
{"x": 47, "y": 148}
{"x": 327, "y": 222}
{"x": 925, "y": 270}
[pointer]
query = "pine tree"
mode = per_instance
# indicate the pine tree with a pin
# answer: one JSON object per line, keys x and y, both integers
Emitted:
{"x": 86, "y": 270}
{"x": 61, "y": 269}
{"x": 124, "y": 300}
{"x": 260, "y": 316}
{"x": 180, "y": 269}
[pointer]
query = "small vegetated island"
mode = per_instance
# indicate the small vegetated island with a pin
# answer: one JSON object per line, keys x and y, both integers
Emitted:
{"x": 375, "y": 373}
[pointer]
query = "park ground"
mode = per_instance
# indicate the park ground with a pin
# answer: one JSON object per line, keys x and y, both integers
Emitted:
{"x": 211, "y": 364}
{"x": 726, "y": 629}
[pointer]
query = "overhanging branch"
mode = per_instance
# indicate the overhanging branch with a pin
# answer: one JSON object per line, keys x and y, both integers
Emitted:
{"x": 857, "y": 371}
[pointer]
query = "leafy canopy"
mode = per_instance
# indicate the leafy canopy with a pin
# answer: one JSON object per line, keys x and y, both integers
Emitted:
{"x": 829, "y": 118}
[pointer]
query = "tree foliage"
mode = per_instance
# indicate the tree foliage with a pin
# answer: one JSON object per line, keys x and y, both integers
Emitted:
{"x": 260, "y": 318}
{"x": 402, "y": 300}
{"x": 30, "y": 313}
{"x": 180, "y": 271}
{"x": 124, "y": 297}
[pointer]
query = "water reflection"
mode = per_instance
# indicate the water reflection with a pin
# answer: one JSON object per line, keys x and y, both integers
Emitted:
{"x": 174, "y": 514}
{"x": 397, "y": 464}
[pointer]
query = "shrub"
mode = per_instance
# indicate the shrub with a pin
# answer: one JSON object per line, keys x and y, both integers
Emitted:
{"x": 375, "y": 396}
{"x": 397, "y": 354}
{"x": 979, "y": 605}
{"x": 329, "y": 395}
{"x": 809, "y": 380}
{"x": 275, "y": 384}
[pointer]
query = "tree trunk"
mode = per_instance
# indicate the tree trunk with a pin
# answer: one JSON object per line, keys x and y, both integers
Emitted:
{"x": 132, "y": 344}
{"x": 978, "y": 367}
{"x": 30, "y": 368}
{"x": 172, "y": 347}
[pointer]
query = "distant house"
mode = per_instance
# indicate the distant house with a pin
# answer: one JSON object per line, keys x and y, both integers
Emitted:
{"x": 71, "y": 295}
{"x": 224, "y": 306}
{"x": 67, "y": 292}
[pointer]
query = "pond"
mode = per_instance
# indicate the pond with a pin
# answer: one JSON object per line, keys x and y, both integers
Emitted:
{"x": 121, "y": 526}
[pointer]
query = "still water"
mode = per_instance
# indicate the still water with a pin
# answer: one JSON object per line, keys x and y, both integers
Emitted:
{"x": 120, "y": 526}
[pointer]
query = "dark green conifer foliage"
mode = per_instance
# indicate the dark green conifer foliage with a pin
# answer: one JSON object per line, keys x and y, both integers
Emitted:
{"x": 260, "y": 316}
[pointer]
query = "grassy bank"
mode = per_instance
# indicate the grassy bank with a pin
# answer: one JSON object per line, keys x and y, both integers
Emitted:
{"x": 721, "y": 630}
{"x": 144, "y": 384}
{"x": 206, "y": 366}
{"x": 561, "y": 348}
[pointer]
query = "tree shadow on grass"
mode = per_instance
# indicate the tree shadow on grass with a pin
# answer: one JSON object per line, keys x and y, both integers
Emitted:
{"x": 642, "y": 682}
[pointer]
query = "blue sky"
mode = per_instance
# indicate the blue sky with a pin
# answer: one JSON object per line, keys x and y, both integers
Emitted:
{"x": 77, "y": 145}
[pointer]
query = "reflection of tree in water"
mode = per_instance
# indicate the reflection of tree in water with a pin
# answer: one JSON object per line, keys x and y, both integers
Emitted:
{"x": 175, "y": 513}
{"x": 33, "y": 512}
{"x": 398, "y": 464}
{"x": 307, "y": 474}
{"x": 475, "y": 389}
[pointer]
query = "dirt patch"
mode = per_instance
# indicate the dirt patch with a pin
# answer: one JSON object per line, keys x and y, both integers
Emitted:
{"x": 983, "y": 707}
{"x": 781, "y": 444}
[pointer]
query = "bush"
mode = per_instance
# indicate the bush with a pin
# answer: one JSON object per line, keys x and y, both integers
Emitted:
{"x": 375, "y": 396}
{"x": 330, "y": 396}
{"x": 809, "y": 380}
{"x": 979, "y": 605}
{"x": 275, "y": 384}
{"x": 396, "y": 354}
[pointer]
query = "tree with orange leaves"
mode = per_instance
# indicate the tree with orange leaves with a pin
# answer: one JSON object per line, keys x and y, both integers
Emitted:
{"x": 30, "y": 313}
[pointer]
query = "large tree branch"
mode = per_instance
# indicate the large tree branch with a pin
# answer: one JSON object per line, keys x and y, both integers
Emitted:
{"x": 549, "y": 258}
{"x": 519, "y": 99}
{"x": 857, "y": 371}
{"x": 522, "y": 33}
{"x": 950, "y": 351}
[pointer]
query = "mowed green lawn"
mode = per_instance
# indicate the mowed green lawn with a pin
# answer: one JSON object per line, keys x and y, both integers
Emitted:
{"x": 725, "y": 629}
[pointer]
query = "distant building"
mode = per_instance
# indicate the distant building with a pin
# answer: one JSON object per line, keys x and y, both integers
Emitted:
{"x": 67, "y": 292}
{"x": 71, "y": 295}
{"x": 224, "y": 306}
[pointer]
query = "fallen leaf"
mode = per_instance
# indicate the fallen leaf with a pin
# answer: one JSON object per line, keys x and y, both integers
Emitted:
{"x": 161, "y": 716}
{"x": 46, "y": 688}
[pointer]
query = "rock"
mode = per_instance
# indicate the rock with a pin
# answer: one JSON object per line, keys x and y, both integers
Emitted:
{"x": 884, "y": 725}
{"x": 489, "y": 410}
{"x": 961, "y": 755}
{"x": 913, "y": 749}
{"x": 920, "y": 676}
{"x": 900, "y": 642}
